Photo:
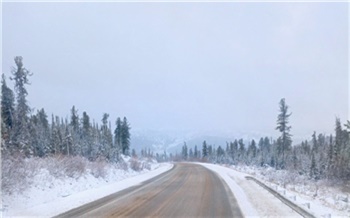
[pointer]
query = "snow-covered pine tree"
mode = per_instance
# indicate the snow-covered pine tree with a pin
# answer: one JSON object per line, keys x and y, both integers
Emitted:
{"x": 40, "y": 133}
{"x": 251, "y": 153}
{"x": 86, "y": 134}
{"x": 241, "y": 151}
{"x": 204, "y": 150}
{"x": 21, "y": 122}
{"x": 7, "y": 112}
{"x": 125, "y": 136}
{"x": 184, "y": 152}
{"x": 105, "y": 145}
{"x": 118, "y": 136}
{"x": 195, "y": 153}
{"x": 285, "y": 140}
{"x": 56, "y": 140}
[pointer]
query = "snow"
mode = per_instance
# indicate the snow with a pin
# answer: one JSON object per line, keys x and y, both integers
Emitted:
{"x": 49, "y": 196}
{"x": 256, "y": 201}
{"x": 253, "y": 200}
{"x": 328, "y": 202}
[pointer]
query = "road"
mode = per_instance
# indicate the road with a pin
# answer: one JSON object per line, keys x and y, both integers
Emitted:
{"x": 188, "y": 190}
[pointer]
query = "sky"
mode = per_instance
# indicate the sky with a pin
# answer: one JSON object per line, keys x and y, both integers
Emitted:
{"x": 203, "y": 67}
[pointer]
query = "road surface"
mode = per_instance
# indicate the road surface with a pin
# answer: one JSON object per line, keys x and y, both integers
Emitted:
{"x": 188, "y": 190}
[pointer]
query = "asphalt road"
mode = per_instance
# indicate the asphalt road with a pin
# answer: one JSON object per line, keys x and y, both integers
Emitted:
{"x": 188, "y": 190}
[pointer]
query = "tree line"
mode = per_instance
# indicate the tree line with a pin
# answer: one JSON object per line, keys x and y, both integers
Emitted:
{"x": 30, "y": 133}
{"x": 322, "y": 157}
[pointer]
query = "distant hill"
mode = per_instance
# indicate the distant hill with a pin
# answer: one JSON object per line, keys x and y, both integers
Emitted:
{"x": 159, "y": 141}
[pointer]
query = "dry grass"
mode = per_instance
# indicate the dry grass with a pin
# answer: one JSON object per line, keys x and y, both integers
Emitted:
{"x": 18, "y": 172}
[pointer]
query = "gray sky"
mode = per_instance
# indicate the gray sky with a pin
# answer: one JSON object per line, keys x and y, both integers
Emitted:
{"x": 220, "y": 67}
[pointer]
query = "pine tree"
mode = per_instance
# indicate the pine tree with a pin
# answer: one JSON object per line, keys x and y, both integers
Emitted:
{"x": 184, "y": 151}
{"x": 86, "y": 136}
{"x": 338, "y": 148}
{"x": 241, "y": 150}
{"x": 74, "y": 121}
{"x": 220, "y": 153}
{"x": 330, "y": 153}
{"x": 314, "y": 143}
{"x": 313, "y": 168}
{"x": 118, "y": 135}
{"x": 56, "y": 138}
{"x": 252, "y": 151}
{"x": 125, "y": 136}
{"x": 21, "y": 124}
{"x": 7, "y": 111}
{"x": 190, "y": 154}
{"x": 195, "y": 154}
{"x": 74, "y": 133}
{"x": 285, "y": 140}
{"x": 40, "y": 134}
{"x": 107, "y": 138}
{"x": 210, "y": 152}
{"x": 234, "y": 148}
{"x": 205, "y": 150}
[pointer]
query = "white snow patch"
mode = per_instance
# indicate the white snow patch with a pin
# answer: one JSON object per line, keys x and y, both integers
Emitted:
{"x": 49, "y": 196}
{"x": 253, "y": 200}
{"x": 315, "y": 197}
{"x": 242, "y": 199}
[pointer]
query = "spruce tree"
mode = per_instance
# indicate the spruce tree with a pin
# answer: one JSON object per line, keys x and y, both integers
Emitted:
{"x": 285, "y": 140}
{"x": 125, "y": 136}
{"x": 7, "y": 111}
{"x": 118, "y": 135}
{"x": 195, "y": 154}
{"x": 86, "y": 136}
{"x": 241, "y": 150}
{"x": 184, "y": 152}
{"x": 21, "y": 124}
{"x": 205, "y": 150}
{"x": 107, "y": 138}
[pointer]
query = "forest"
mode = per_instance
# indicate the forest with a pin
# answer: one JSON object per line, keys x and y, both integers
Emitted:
{"x": 26, "y": 133}
{"x": 322, "y": 157}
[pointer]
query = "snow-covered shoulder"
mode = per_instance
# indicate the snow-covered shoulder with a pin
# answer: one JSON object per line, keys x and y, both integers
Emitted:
{"x": 242, "y": 199}
{"x": 254, "y": 200}
{"x": 49, "y": 197}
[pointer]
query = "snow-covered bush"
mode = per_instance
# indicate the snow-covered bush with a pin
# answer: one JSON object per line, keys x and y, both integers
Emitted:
{"x": 16, "y": 173}
{"x": 61, "y": 166}
{"x": 98, "y": 168}
{"x": 135, "y": 164}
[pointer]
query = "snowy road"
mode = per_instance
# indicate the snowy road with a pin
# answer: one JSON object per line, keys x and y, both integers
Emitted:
{"x": 188, "y": 190}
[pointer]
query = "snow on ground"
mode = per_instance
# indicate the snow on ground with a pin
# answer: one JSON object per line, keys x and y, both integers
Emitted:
{"x": 49, "y": 196}
{"x": 331, "y": 203}
{"x": 253, "y": 200}
{"x": 319, "y": 198}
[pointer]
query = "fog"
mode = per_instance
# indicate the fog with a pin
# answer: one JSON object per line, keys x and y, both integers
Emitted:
{"x": 185, "y": 67}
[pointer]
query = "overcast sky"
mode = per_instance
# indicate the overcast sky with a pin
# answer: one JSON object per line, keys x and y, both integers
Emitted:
{"x": 220, "y": 67}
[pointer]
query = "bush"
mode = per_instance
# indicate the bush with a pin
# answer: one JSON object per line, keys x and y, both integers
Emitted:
{"x": 98, "y": 168}
{"x": 61, "y": 166}
{"x": 16, "y": 173}
{"x": 135, "y": 165}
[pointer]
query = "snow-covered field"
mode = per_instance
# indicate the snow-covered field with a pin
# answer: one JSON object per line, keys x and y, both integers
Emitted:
{"x": 48, "y": 196}
{"x": 329, "y": 202}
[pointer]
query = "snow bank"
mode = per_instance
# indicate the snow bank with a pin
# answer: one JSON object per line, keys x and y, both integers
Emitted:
{"x": 49, "y": 196}
{"x": 242, "y": 199}
{"x": 253, "y": 200}
{"x": 320, "y": 199}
